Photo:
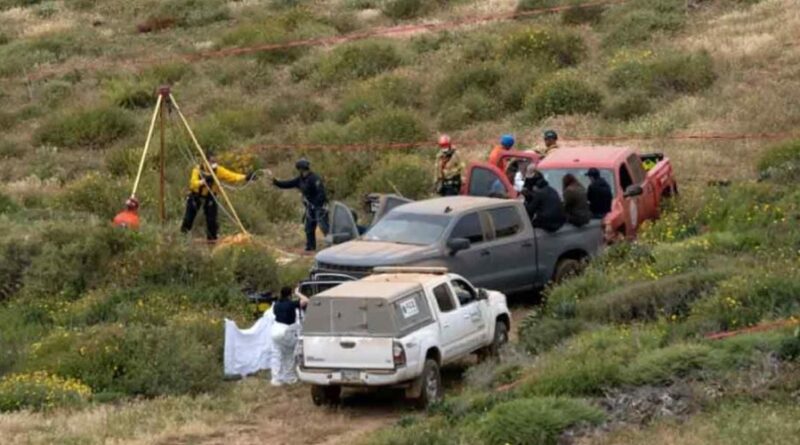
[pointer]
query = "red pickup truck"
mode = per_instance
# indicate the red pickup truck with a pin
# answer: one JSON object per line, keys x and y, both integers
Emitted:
{"x": 637, "y": 191}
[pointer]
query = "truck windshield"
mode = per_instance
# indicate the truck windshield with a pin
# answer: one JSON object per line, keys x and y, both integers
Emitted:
{"x": 408, "y": 228}
{"x": 555, "y": 177}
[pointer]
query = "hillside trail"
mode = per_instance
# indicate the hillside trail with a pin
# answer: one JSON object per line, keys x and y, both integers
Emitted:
{"x": 286, "y": 415}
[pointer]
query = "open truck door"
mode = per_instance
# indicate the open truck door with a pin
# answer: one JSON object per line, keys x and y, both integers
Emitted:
{"x": 484, "y": 179}
{"x": 343, "y": 224}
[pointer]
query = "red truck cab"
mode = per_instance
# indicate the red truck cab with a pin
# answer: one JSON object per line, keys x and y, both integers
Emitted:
{"x": 637, "y": 192}
{"x": 498, "y": 180}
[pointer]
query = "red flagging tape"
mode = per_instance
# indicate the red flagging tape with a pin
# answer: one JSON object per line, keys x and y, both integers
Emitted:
{"x": 751, "y": 329}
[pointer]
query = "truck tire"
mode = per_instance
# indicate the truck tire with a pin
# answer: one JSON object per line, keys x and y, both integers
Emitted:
{"x": 500, "y": 339}
{"x": 326, "y": 395}
{"x": 431, "y": 381}
{"x": 565, "y": 268}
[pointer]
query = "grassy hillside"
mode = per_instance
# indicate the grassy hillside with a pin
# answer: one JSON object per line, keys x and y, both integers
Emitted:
{"x": 90, "y": 315}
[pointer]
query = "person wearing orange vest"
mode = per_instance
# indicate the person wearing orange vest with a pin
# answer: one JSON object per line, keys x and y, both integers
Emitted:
{"x": 128, "y": 218}
{"x": 202, "y": 192}
{"x": 506, "y": 144}
{"x": 449, "y": 168}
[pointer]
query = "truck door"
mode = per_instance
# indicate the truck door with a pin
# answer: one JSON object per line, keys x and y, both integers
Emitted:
{"x": 512, "y": 250}
{"x": 487, "y": 180}
{"x": 647, "y": 201}
{"x": 452, "y": 329}
{"x": 472, "y": 315}
{"x": 472, "y": 263}
{"x": 343, "y": 224}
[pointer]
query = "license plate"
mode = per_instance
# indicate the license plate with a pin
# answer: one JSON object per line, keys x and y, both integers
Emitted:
{"x": 349, "y": 375}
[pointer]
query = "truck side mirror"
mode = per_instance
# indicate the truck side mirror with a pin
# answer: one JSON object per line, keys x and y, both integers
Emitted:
{"x": 634, "y": 190}
{"x": 339, "y": 238}
{"x": 456, "y": 245}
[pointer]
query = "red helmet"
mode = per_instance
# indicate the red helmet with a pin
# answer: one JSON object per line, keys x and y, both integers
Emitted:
{"x": 444, "y": 141}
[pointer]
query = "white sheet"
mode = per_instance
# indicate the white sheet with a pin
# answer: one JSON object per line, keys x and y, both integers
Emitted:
{"x": 250, "y": 350}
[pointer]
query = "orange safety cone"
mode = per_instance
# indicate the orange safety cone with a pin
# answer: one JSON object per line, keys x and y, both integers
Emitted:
{"x": 128, "y": 218}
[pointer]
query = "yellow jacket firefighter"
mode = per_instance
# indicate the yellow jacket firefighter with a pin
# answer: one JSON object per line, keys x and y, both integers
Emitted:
{"x": 201, "y": 177}
{"x": 448, "y": 165}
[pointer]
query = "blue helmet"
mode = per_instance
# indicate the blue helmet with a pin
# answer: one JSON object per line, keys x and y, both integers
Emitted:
{"x": 507, "y": 141}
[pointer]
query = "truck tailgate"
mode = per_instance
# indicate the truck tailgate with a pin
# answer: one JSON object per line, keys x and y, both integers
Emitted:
{"x": 335, "y": 352}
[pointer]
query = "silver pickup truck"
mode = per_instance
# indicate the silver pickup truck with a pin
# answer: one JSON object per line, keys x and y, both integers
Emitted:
{"x": 489, "y": 241}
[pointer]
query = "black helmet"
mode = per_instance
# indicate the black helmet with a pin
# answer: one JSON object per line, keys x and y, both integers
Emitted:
{"x": 302, "y": 164}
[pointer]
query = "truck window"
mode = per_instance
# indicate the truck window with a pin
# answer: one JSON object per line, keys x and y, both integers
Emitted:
{"x": 444, "y": 298}
{"x": 484, "y": 182}
{"x": 408, "y": 228}
{"x": 637, "y": 170}
{"x": 624, "y": 177}
{"x": 411, "y": 312}
{"x": 506, "y": 221}
{"x": 555, "y": 176}
{"x": 349, "y": 316}
{"x": 469, "y": 227}
{"x": 465, "y": 293}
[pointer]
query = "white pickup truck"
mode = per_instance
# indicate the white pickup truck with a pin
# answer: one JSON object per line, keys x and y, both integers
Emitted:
{"x": 397, "y": 328}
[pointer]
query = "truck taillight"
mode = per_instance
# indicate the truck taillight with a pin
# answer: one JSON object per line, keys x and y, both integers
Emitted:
{"x": 398, "y": 354}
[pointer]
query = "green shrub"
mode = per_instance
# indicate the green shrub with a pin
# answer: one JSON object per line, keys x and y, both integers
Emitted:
{"x": 637, "y": 22}
{"x": 293, "y": 24}
{"x": 9, "y": 150}
{"x": 539, "y": 334}
{"x": 413, "y": 432}
{"x": 579, "y": 15}
{"x": 529, "y": 5}
{"x": 668, "y": 297}
{"x": 94, "y": 193}
{"x": 7, "y": 206}
{"x": 389, "y": 125}
{"x": 561, "y": 95}
{"x": 131, "y": 93}
{"x": 17, "y": 333}
{"x": 745, "y": 300}
{"x": 86, "y": 128}
{"x": 562, "y": 300}
{"x": 404, "y": 9}
{"x": 39, "y": 391}
{"x": 359, "y": 60}
{"x": 192, "y": 13}
{"x": 22, "y": 54}
{"x": 485, "y": 78}
{"x": 286, "y": 108}
{"x": 343, "y": 171}
{"x": 4, "y": 38}
{"x": 539, "y": 420}
{"x": 665, "y": 365}
{"x": 789, "y": 349}
{"x": 544, "y": 46}
{"x": 407, "y": 175}
{"x": 253, "y": 267}
{"x": 379, "y": 93}
{"x": 473, "y": 106}
{"x": 781, "y": 163}
{"x": 670, "y": 73}
{"x": 625, "y": 107}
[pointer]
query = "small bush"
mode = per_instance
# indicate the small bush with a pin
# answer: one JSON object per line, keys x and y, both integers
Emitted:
{"x": 666, "y": 74}
{"x": 537, "y": 45}
{"x": 781, "y": 163}
{"x": 485, "y": 78}
{"x": 529, "y": 5}
{"x": 253, "y": 267}
{"x": 562, "y": 95}
{"x": 291, "y": 107}
{"x": 789, "y": 349}
{"x": 390, "y": 125}
{"x": 624, "y": 107}
{"x": 668, "y": 297}
{"x": 21, "y": 54}
{"x": 343, "y": 171}
{"x": 538, "y": 335}
{"x": 539, "y": 420}
{"x": 663, "y": 366}
{"x": 404, "y": 9}
{"x": 473, "y": 106}
{"x": 580, "y": 15}
{"x": 408, "y": 175}
{"x": 636, "y": 23}
{"x": 40, "y": 390}
{"x": 359, "y": 60}
{"x": 192, "y": 13}
{"x": 89, "y": 128}
{"x": 376, "y": 94}
{"x": 94, "y": 193}
{"x": 562, "y": 300}
{"x": 131, "y": 93}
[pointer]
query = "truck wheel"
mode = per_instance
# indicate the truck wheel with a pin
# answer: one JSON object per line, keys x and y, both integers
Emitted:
{"x": 326, "y": 395}
{"x": 500, "y": 339}
{"x": 566, "y": 267}
{"x": 431, "y": 384}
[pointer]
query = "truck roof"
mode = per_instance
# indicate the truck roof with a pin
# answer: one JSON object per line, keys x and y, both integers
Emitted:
{"x": 449, "y": 205}
{"x": 386, "y": 286}
{"x": 608, "y": 156}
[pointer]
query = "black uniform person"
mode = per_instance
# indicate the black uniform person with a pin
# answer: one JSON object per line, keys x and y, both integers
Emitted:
{"x": 542, "y": 202}
{"x": 314, "y": 199}
{"x": 598, "y": 194}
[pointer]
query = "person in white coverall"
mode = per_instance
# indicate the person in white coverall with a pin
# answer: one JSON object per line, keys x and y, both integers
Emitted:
{"x": 285, "y": 331}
